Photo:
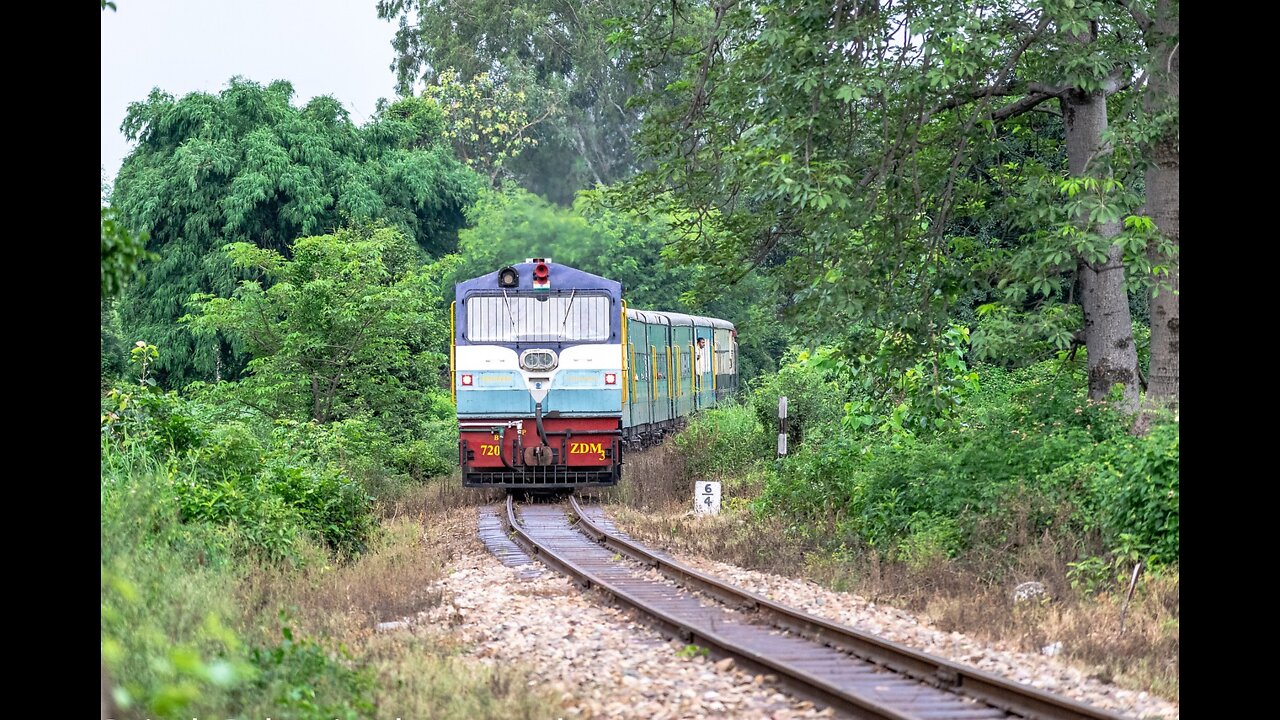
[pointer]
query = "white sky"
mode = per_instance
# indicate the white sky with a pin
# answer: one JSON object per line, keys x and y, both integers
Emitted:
{"x": 323, "y": 47}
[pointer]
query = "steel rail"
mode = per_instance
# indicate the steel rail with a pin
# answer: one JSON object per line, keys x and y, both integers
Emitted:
{"x": 799, "y": 681}
{"x": 996, "y": 691}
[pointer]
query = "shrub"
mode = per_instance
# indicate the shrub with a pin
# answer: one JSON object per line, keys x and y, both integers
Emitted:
{"x": 722, "y": 440}
{"x": 815, "y": 400}
{"x": 165, "y": 636}
{"x": 431, "y": 456}
{"x": 272, "y": 486}
{"x": 298, "y": 678}
{"x": 1026, "y": 454}
{"x": 1138, "y": 495}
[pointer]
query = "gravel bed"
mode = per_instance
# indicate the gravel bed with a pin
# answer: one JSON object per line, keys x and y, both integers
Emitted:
{"x": 902, "y": 627}
{"x": 596, "y": 660}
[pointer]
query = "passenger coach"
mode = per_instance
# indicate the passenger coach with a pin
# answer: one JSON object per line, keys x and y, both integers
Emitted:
{"x": 552, "y": 375}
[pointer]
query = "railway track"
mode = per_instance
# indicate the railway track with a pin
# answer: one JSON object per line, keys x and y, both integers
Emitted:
{"x": 857, "y": 674}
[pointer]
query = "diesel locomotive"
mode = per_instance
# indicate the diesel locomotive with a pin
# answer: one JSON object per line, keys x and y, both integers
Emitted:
{"x": 553, "y": 375}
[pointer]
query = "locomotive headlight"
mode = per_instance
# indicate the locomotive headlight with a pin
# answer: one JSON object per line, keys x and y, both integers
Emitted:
{"x": 466, "y": 380}
{"x": 508, "y": 277}
{"x": 538, "y": 360}
{"x": 610, "y": 378}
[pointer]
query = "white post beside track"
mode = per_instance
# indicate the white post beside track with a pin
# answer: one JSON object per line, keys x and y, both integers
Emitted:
{"x": 782, "y": 426}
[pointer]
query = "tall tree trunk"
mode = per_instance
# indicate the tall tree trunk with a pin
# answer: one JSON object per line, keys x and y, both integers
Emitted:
{"x": 108, "y": 703}
{"x": 1162, "y": 198}
{"x": 1108, "y": 328}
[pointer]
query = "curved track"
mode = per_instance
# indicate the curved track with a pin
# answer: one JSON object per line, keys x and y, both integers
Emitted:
{"x": 857, "y": 674}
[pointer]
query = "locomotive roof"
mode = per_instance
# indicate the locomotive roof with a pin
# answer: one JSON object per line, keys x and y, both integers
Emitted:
{"x": 562, "y": 278}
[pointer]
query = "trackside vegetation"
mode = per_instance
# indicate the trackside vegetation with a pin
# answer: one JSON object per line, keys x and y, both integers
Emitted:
{"x": 1024, "y": 478}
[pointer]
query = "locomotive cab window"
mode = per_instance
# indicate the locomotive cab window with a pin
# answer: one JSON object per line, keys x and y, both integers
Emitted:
{"x": 526, "y": 317}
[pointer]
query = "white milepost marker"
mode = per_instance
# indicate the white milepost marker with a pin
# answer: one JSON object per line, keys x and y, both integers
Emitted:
{"x": 782, "y": 426}
{"x": 706, "y": 497}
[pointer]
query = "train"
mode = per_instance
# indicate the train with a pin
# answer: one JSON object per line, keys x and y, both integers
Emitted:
{"x": 553, "y": 376}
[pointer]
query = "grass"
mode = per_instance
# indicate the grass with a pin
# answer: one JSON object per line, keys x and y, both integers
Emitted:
{"x": 437, "y": 497}
{"x": 193, "y": 626}
{"x": 659, "y": 479}
{"x": 413, "y": 675}
{"x": 971, "y": 593}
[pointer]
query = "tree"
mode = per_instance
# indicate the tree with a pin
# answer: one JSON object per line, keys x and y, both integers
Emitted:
{"x": 552, "y": 52}
{"x": 122, "y": 253}
{"x": 1160, "y": 104}
{"x": 348, "y": 327}
{"x": 485, "y": 121}
{"x": 848, "y": 146}
{"x": 246, "y": 165}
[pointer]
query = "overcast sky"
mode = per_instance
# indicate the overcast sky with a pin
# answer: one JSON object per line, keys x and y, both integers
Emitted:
{"x": 323, "y": 47}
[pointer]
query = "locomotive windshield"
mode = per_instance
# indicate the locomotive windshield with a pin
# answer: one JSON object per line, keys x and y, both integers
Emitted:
{"x": 516, "y": 317}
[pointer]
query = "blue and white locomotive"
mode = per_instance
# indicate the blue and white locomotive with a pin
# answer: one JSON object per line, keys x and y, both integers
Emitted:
{"x": 553, "y": 375}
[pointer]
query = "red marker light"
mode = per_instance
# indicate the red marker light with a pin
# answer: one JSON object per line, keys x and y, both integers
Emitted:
{"x": 466, "y": 379}
{"x": 610, "y": 378}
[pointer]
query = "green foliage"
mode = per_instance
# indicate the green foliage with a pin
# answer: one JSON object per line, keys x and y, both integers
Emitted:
{"x": 930, "y": 392}
{"x": 271, "y": 490}
{"x": 112, "y": 348}
{"x": 1025, "y": 454}
{"x": 122, "y": 253}
{"x": 305, "y": 470}
{"x": 434, "y": 455}
{"x": 829, "y": 391}
{"x": 165, "y": 638}
{"x": 1033, "y": 312}
{"x": 168, "y": 588}
{"x": 816, "y": 395}
{"x": 1091, "y": 574}
{"x": 1139, "y": 495}
{"x": 571, "y": 87}
{"x": 724, "y": 440}
{"x": 157, "y": 422}
{"x": 348, "y": 328}
{"x": 248, "y": 166}
{"x": 486, "y": 121}
{"x": 688, "y": 652}
{"x": 891, "y": 186}
{"x": 303, "y": 680}
{"x": 930, "y": 539}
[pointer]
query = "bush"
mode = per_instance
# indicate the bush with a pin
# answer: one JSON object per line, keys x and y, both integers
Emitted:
{"x": 815, "y": 400}
{"x": 1027, "y": 453}
{"x": 169, "y": 583}
{"x": 432, "y": 456}
{"x": 299, "y": 679}
{"x": 165, "y": 636}
{"x": 159, "y": 422}
{"x": 272, "y": 486}
{"x": 305, "y": 468}
{"x": 722, "y": 440}
{"x": 1138, "y": 496}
